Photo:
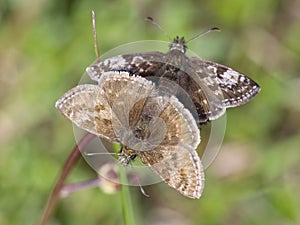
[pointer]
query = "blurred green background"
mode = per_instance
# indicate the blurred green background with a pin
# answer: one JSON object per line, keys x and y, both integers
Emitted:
{"x": 45, "y": 47}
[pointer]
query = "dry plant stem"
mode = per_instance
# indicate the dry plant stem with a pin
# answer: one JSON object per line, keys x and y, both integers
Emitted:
{"x": 71, "y": 161}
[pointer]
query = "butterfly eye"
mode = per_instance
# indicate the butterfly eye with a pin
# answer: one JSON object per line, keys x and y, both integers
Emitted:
{"x": 132, "y": 157}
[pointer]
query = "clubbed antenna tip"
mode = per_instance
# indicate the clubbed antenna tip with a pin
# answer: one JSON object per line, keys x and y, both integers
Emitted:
{"x": 149, "y": 18}
{"x": 204, "y": 33}
{"x": 215, "y": 29}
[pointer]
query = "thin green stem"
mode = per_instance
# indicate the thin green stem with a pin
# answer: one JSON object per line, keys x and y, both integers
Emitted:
{"x": 127, "y": 207}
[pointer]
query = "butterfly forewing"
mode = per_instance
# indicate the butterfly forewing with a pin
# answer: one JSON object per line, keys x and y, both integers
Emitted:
{"x": 86, "y": 106}
{"x": 142, "y": 64}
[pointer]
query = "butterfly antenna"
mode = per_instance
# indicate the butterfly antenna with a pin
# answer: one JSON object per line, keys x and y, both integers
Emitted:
{"x": 95, "y": 34}
{"x": 100, "y": 153}
{"x": 151, "y": 20}
{"x": 204, "y": 33}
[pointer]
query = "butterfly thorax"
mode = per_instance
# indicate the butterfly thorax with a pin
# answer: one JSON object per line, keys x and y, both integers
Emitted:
{"x": 126, "y": 156}
{"x": 175, "y": 58}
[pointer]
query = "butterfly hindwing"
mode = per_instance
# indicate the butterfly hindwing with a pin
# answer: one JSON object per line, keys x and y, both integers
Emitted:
{"x": 179, "y": 166}
{"x": 236, "y": 89}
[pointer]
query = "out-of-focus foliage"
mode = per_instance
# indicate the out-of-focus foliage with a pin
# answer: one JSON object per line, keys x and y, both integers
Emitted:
{"x": 44, "y": 49}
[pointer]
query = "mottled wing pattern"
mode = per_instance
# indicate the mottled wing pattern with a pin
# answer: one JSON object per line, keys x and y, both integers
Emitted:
{"x": 123, "y": 92}
{"x": 143, "y": 64}
{"x": 86, "y": 106}
{"x": 180, "y": 124}
{"x": 179, "y": 166}
{"x": 164, "y": 121}
{"x": 205, "y": 100}
{"x": 175, "y": 159}
{"x": 127, "y": 96}
{"x": 234, "y": 88}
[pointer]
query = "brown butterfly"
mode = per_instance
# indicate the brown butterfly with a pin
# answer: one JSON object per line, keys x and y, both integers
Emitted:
{"x": 129, "y": 110}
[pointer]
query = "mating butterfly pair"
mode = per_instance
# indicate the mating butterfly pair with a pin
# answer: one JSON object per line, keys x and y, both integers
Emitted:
{"x": 126, "y": 108}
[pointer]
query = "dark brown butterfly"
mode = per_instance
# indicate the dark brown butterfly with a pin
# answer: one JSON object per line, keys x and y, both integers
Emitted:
{"x": 211, "y": 86}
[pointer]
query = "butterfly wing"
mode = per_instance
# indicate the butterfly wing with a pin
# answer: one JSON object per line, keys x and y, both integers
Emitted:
{"x": 234, "y": 88}
{"x": 127, "y": 96}
{"x": 179, "y": 166}
{"x": 86, "y": 106}
{"x": 206, "y": 101}
{"x": 143, "y": 64}
{"x": 110, "y": 108}
{"x": 180, "y": 126}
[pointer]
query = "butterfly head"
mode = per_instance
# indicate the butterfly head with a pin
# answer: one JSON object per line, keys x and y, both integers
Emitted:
{"x": 178, "y": 44}
{"x": 126, "y": 156}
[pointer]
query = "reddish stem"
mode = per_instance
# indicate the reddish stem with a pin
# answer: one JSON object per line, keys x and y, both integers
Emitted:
{"x": 70, "y": 162}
